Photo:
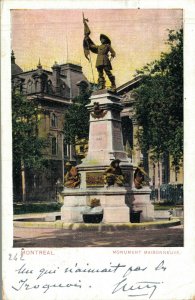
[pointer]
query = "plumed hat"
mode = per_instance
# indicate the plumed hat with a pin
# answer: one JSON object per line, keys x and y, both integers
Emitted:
{"x": 108, "y": 41}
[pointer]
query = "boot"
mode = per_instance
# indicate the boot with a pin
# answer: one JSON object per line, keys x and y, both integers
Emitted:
{"x": 113, "y": 84}
{"x": 101, "y": 83}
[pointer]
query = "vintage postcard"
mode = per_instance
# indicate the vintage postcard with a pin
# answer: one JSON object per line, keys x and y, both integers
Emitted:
{"x": 97, "y": 148}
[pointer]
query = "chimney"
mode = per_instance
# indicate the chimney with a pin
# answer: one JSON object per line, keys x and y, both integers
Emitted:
{"x": 13, "y": 59}
{"x": 56, "y": 76}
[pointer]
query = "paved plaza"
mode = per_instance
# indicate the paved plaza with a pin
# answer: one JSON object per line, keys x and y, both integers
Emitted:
{"x": 44, "y": 237}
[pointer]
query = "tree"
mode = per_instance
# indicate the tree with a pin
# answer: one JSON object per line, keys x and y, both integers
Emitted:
{"x": 159, "y": 105}
{"x": 27, "y": 145}
{"x": 77, "y": 119}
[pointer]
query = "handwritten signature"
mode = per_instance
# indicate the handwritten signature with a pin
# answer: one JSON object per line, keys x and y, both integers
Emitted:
{"x": 141, "y": 288}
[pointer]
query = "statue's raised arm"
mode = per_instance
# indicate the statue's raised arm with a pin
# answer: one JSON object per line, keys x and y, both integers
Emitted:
{"x": 105, "y": 53}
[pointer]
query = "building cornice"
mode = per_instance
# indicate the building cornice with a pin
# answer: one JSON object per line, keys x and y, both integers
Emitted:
{"x": 128, "y": 85}
{"x": 43, "y": 97}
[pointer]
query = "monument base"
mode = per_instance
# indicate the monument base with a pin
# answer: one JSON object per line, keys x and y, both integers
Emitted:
{"x": 116, "y": 202}
{"x": 140, "y": 201}
{"x": 105, "y": 145}
{"x": 113, "y": 201}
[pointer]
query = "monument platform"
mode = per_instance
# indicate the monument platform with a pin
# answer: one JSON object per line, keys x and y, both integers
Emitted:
{"x": 114, "y": 202}
{"x": 105, "y": 146}
{"x": 36, "y": 221}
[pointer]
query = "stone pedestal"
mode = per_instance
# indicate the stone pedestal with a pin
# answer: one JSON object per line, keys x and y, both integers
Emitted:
{"x": 105, "y": 133}
{"x": 105, "y": 145}
{"x": 74, "y": 204}
{"x": 113, "y": 201}
{"x": 140, "y": 200}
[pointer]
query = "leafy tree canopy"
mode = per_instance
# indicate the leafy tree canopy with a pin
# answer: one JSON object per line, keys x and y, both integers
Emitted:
{"x": 27, "y": 146}
{"x": 159, "y": 105}
{"x": 77, "y": 119}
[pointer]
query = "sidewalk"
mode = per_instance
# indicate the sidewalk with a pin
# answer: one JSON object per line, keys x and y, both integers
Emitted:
{"x": 45, "y": 237}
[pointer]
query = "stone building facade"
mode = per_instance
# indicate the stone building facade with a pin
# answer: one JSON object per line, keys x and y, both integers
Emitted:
{"x": 54, "y": 91}
{"x": 160, "y": 173}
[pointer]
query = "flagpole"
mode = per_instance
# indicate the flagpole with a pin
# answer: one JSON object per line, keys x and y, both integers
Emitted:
{"x": 67, "y": 49}
{"x": 91, "y": 66}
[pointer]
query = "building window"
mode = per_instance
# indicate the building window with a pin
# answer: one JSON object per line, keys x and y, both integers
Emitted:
{"x": 37, "y": 181}
{"x": 65, "y": 150}
{"x": 36, "y": 85}
{"x": 54, "y": 146}
{"x": 29, "y": 86}
{"x": 49, "y": 87}
{"x": 54, "y": 120}
{"x": 165, "y": 169}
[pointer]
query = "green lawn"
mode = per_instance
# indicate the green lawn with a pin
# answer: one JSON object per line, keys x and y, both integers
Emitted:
{"x": 43, "y": 207}
{"x": 166, "y": 206}
{"x": 24, "y": 208}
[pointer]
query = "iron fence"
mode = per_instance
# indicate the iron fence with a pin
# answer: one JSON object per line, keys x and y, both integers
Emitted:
{"x": 172, "y": 193}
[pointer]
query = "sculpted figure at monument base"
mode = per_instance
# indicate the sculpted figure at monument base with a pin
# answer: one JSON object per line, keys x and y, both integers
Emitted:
{"x": 140, "y": 177}
{"x": 72, "y": 177}
{"x": 113, "y": 174}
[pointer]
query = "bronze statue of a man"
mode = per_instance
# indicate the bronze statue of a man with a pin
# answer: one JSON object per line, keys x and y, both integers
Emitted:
{"x": 113, "y": 174}
{"x": 72, "y": 177}
{"x": 140, "y": 177}
{"x": 103, "y": 62}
